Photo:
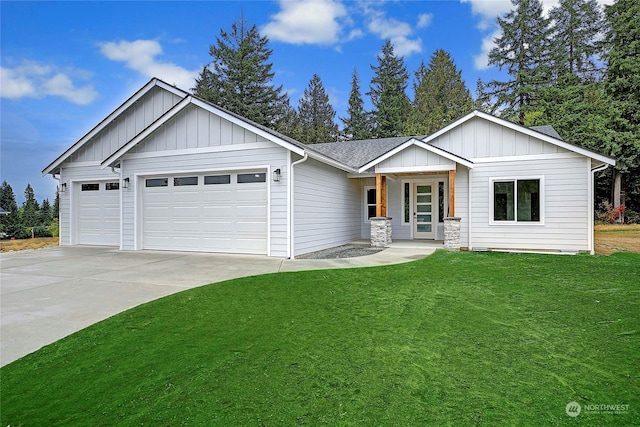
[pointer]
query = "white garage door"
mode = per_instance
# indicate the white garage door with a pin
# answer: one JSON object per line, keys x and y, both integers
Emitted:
{"x": 215, "y": 212}
{"x": 98, "y": 213}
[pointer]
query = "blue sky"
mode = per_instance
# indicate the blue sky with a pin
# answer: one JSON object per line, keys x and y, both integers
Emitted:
{"x": 67, "y": 65}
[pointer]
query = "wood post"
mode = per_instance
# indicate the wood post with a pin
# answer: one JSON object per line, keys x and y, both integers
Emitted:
{"x": 381, "y": 195}
{"x": 452, "y": 193}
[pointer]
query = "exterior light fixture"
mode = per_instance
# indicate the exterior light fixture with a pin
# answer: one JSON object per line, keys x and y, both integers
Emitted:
{"x": 125, "y": 183}
{"x": 63, "y": 187}
{"x": 276, "y": 175}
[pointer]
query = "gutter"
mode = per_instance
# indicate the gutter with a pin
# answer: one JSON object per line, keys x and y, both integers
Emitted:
{"x": 291, "y": 223}
{"x": 591, "y": 207}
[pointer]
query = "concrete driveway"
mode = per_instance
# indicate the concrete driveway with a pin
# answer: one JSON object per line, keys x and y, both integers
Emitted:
{"x": 50, "y": 293}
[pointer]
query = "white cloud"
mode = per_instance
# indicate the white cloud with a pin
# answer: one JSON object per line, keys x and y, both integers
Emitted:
{"x": 481, "y": 61}
{"x": 307, "y": 22}
{"x": 424, "y": 20}
{"x": 140, "y": 55}
{"x": 34, "y": 80}
{"x": 397, "y": 31}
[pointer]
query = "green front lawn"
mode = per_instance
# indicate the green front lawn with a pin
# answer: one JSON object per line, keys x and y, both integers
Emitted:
{"x": 454, "y": 339}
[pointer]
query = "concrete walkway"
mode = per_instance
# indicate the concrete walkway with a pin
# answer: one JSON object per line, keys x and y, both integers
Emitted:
{"x": 49, "y": 293}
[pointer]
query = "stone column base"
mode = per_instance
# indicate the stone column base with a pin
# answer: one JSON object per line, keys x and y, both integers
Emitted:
{"x": 452, "y": 233}
{"x": 380, "y": 231}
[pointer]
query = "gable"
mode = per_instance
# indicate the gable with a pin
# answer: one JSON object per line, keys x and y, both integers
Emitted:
{"x": 128, "y": 124}
{"x": 195, "y": 127}
{"x": 479, "y": 138}
{"x": 415, "y": 158}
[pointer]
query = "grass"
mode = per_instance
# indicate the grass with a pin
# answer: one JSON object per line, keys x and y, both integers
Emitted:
{"x": 611, "y": 238}
{"x": 454, "y": 339}
{"x": 22, "y": 244}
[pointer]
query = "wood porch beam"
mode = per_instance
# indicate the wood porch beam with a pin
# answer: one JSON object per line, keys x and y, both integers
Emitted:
{"x": 452, "y": 193}
{"x": 381, "y": 195}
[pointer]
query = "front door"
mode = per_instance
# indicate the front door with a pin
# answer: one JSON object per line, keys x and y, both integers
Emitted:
{"x": 423, "y": 224}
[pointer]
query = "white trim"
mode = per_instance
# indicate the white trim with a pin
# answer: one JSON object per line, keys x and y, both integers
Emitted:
{"x": 416, "y": 169}
{"x": 267, "y": 177}
{"x": 288, "y": 204}
{"x": 110, "y": 118}
{"x": 530, "y": 132}
{"x": 492, "y": 222}
{"x": 411, "y": 142}
{"x": 82, "y": 164}
{"x": 549, "y": 156}
{"x": 592, "y": 184}
{"x": 291, "y": 205}
{"x": 201, "y": 150}
{"x": 363, "y": 175}
{"x": 201, "y": 170}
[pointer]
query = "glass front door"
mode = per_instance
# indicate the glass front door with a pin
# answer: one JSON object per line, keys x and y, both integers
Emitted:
{"x": 423, "y": 212}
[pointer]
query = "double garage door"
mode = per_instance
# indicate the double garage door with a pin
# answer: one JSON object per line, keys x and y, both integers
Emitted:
{"x": 210, "y": 212}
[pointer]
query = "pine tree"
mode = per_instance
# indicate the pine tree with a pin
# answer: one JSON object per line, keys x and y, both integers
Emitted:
{"x": 387, "y": 91}
{"x": 11, "y": 221}
{"x": 576, "y": 26}
{"x": 356, "y": 124}
{"x": 240, "y": 75}
{"x": 441, "y": 96}
{"x": 316, "y": 114}
{"x": 30, "y": 208}
{"x": 45, "y": 213}
{"x": 55, "y": 209}
{"x": 523, "y": 49}
{"x": 623, "y": 85}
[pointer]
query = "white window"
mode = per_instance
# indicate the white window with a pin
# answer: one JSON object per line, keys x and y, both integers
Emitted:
{"x": 369, "y": 203}
{"x": 517, "y": 200}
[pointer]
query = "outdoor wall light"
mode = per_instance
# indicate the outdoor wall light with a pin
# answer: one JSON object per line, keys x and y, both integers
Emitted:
{"x": 276, "y": 175}
{"x": 125, "y": 183}
{"x": 63, "y": 187}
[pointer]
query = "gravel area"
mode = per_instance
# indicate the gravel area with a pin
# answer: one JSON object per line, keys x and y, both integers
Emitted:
{"x": 345, "y": 251}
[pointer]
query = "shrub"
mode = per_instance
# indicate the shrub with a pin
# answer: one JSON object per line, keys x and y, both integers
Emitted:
{"x": 22, "y": 233}
{"x": 631, "y": 217}
{"x": 41, "y": 231}
{"x": 54, "y": 228}
{"x": 608, "y": 214}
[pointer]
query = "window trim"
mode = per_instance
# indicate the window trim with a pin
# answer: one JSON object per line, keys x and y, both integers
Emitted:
{"x": 515, "y": 180}
{"x": 366, "y": 204}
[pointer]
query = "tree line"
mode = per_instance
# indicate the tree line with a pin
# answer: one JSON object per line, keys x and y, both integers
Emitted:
{"x": 32, "y": 219}
{"x": 577, "y": 69}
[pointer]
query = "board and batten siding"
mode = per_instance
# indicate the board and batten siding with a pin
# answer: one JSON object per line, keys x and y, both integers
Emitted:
{"x": 74, "y": 176}
{"x": 480, "y": 138}
{"x": 414, "y": 157}
{"x": 127, "y": 125}
{"x": 175, "y": 164}
{"x": 194, "y": 127}
{"x": 326, "y": 207}
{"x": 565, "y": 195}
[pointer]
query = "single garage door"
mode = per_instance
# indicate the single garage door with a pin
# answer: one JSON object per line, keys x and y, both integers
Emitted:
{"x": 215, "y": 212}
{"x": 98, "y": 213}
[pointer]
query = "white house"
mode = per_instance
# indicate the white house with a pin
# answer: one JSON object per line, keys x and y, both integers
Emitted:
{"x": 169, "y": 171}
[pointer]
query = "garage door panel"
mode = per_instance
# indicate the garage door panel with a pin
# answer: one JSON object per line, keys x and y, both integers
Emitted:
{"x": 97, "y": 214}
{"x": 216, "y": 217}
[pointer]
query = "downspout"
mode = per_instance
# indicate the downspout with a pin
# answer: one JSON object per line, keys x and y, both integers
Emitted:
{"x": 119, "y": 172}
{"x": 591, "y": 205}
{"x": 57, "y": 178}
{"x": 291, "y": 223}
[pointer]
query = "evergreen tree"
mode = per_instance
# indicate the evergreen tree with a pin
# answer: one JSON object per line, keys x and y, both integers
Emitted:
{"x": 11, "y": 221}
{"x": 316, "y": 114}
{"x": 356, "y": 124}
{"x": 55, "y": 209}
{"x": 240, "y": 75}
{"x": 576, "y": 26}
{"x": 623, "y": 85}
{"x": 45, "y": 213}
{"x": 387, "y": 91}
{"x": 441, "y": 96}
{"x": 523, "y": 50}
{"x": 30, "y": 208}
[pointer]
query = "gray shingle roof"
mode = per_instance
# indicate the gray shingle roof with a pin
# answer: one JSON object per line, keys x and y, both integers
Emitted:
{"x": 547, "y": 130}
{"x": 358, "y": 153}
